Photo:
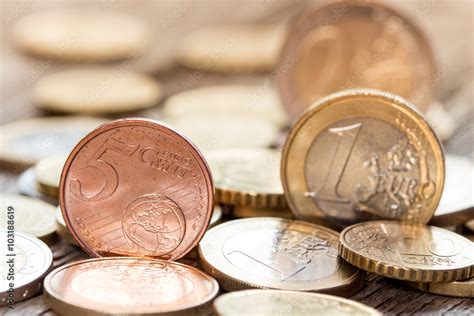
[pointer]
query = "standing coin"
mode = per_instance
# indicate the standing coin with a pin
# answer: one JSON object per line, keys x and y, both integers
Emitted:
{"x": 462, "y": 288}
{"x": 31, "y": 216}
{"x": 412, "y": 252}
{"x": 276, "y": 302}
{"x": 278, "y": 254}
{"x": 359, "y": 155}
{"x": 25, "y": 258}
{"x": 355, "y": 45}
{"x": 26, "y": 185}
{"x": 128, "y": 286}
{"x": 48, "y": 174}
{"x": 135, "y": 187}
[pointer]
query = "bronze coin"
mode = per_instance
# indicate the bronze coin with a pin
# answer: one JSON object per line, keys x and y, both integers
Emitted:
{"x": 135, "y": 187}
{"x": 358, "y": 44}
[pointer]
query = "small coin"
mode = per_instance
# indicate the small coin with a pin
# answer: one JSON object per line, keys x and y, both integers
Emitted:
{"x": 355, "y": 45}
{"x": 127, "y": 286}
{"x": 30, "y": 216}
{"x": 135, "y": 187}
{"x": 62, "y": 229}
{"x": 240, "y": 100}
{"x": 30, "y": 260}
{"x": 276, "y": 302}
{"x": 244, "y": 212}
{"x": 412, "y": 252}
{"x": 48, "y": 174}
{"x": 63, "y": 35}
{"x": 360, "y": 155}
{"x": 462, "y": 288}
{"x": 248, "y": 177}
{"x": 278, "y": 254}
{"x": 233, "y": 48}
{"x": 96, "y": 90}
{"x": 223, "y": 132}
{"x": 24, "y": 143}
{"x": 26, "y": 185}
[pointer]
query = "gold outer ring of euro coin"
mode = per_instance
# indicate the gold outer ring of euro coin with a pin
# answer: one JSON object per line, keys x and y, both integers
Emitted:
{"x": 48, "y": 173}
{"x": 361, "y": 155}
{"x": 411, "y": 252}
{"x": 248, "y": 177}
{"x": 462, "y": 288}
{"x": 276, "y": 253}
{"x": 278, "y": 302}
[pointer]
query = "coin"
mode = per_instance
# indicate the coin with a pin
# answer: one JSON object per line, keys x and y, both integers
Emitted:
{"x": 135, "y": 187}
{"x": 48, "y": 173}
{"x": 216, "y": 216}
{"x": 244, "y": 212}
{"x": 127, "y": 286}
{"x": 222, "y": 131}
{"x": 31, "y": 216}
{"x": 457, "y": 199}
{"x": 26, "y": 185}
{"x": 241, "y": 100}
{"x": 412, "y": 252}
{"x": 470, "y": 225}
{"x": 462, "y": 288}
{"x": 63, "y": 35}
{"x": 278, "y": 254}
{"x": 248, "y": 177}
{"x": 62, "y": 229}
{"x": 96, "y": 90}
{"x": 355, "y": 45}
{"x": 234, "y": 48}
{"x": 25, "y": 258}
{"x": 275, "y": 302}
{"x": 360, "y": 155}
{"x": 24, "y": 143}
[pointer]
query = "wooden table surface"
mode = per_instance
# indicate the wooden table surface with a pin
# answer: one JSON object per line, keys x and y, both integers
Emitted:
{"x": 449, "y": 25}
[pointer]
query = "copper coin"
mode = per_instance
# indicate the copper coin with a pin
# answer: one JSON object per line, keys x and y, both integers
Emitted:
{"x": 128, "y": 286}
{"x": 359, "y": 44}
{"x": 135, "y": 187}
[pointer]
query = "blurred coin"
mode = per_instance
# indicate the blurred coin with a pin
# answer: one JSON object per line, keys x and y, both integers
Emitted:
{"x": 216, "y": 216}
{"x": 457, "y": 200}
{"x": 412, "y": 252}
{"x": 248, "y": 177}
{"x": 244, "y": 212}
{"x": 31, "y": 216}
{"x": 81, "y": 35}
{"x": 62, "y": 229}
{"x": 442, "y": 120}
{"x": 224, "y": 131}
{"x": 28, "y": 260}
{"x": 96, "y": 90}
{"x": 273, "y": 302}
{"x": 127, "y": 286}
{"x": 26, "y": 185}
{"x": 240, "y": 100}
{"x": 244, "y": 48}
{"x": 355, "y": 45}
{"x": 24, "y": 143}
{"x": 134, "y": 187}
{"x": 360, "y": 155}
{"x": 279, "y": 254}
{"x": 48, "y": 173}
{"x": 470, "y": 225}
{"x": 462, "y": 288}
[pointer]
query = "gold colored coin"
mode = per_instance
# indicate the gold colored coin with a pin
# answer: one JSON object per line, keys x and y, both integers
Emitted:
{"x": 279, "y": 254}
{"x": 412, "y": 252}
{"x": 244, "y": 212}
{"x": 462, "y": 288}
{"x": 61, "y": 228}
{"x": 48, "y": 173}
{"x": 247, "y": 177}
{"x": 355, "y": 45}
{"x": 276, "y": 302}
{"x": 31, "y": 216}
{"x": 64, "y": 35}
{"x": 360, "y": 155}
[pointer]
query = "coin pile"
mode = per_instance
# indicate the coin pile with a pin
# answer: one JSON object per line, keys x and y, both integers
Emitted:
{"x": 222, "y": 207}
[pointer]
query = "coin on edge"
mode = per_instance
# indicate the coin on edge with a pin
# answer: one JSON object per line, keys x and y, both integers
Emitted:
{"x": 128, "y": 286}
{"x": 279, "y": 254}
{"x": 48, "y": 174}
{"x": 32, "y": 260}
{"x": 366, "y": 45}
{"x": 24, "y": 143}
{"x": 461, "y": 288}
{"x": 411, "y": 252}
{"x": 61, "y": 228}
{"x": 248, "y": 177}
{"x": 26, "y": 185}
{"x": 63, "y": 35}
{"x": 31, "y": 216}
{"x": 360, "y": 155}
{"x": 152, "y": 186}
{"x": 96, "y": 91}
{"x": 277, "y": 302}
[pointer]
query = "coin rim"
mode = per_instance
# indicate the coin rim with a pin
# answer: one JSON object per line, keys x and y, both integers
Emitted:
{"x": 461, "y": 288}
